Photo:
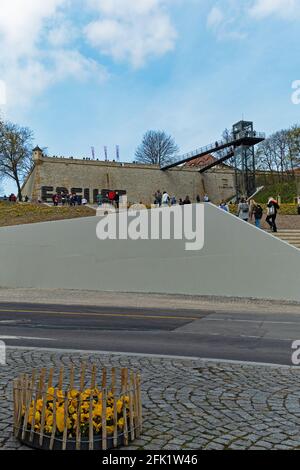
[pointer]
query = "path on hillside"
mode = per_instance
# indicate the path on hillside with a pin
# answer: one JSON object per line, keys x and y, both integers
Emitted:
{"x": 199, "y": 333}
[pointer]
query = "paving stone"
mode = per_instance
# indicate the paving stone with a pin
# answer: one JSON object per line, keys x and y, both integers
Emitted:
{"x": 187, "y": 404}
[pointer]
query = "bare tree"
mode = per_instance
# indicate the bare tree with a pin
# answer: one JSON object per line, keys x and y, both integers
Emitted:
{"x": 227, "y": 135}
{"x": 280, "y": 153}
{"x": 294, "y": 147}
{"x": 235, "y": 161}
{"x": 157, "y": 148}
{"x": 15, "y": 153}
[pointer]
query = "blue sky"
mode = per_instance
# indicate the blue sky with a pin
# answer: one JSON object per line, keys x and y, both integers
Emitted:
{"x": 102, "y": 72}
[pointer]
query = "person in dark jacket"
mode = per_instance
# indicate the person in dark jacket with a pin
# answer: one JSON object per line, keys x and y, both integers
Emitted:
{"x": 187, "y": 201}
{"x": 256, "y": 211}
{"x": 273, "y": 208}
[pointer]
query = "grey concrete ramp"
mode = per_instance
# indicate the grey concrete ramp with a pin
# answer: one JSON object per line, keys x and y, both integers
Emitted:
{"x": 237, "y": 260}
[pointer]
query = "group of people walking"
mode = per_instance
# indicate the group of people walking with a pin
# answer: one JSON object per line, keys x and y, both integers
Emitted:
{"x": 164, "y": 200}
{"x": 249, "y": 211}
{"x": 66, "y": 199}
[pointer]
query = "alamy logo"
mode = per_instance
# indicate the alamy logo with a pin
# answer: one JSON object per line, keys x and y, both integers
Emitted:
{"x": 2, "y": 93}
{"x": 296, "y": 353}
{"x": 2, "y": 353}
{"x": 170, "y": 223}
{"x": 296, "y": 93}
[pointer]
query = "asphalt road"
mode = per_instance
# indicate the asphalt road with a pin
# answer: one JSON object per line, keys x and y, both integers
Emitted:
{"x": 258, "y": 337}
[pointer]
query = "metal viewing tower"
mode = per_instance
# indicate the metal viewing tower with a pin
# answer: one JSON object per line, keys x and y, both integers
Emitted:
{"x": 240, "y": 145}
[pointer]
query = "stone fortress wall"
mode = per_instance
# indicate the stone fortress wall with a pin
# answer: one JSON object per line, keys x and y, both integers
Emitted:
{"x": 89, "y": 177}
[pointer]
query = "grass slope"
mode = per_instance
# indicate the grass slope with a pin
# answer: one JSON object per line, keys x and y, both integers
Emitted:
{"x": 18, "y": 214}
{"x": 287, "y": 191}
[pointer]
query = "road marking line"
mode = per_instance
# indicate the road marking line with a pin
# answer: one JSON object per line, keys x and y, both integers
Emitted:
{"x": 253, "y": 321}
{"x": 27, "y": 337}
{"x": 160, "y": 317}
{"x": 8, "y": 321}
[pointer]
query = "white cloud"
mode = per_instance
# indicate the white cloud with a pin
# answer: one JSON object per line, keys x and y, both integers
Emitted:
{"x": 124, "y": 7}
{"x": 215, "y": 17}
{"x": 282, "y": 8}
{"x": 35, "y": 49}
{"x": 223, "y": 21}
{"x": 229, "y": 19}
{"x": 39, "y": 40}
{"x": 29, "y": 80}
{"x": 21, "y": 22}
{"x": 131, "y": 31}
{"x": 63, "y": 33}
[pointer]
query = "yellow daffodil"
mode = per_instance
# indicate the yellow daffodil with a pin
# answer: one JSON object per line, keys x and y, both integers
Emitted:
{"x": 119, "y": 406}
{"x": 48, "y": 429}
{"x": 85, "y": 407}
{"x": 60, "y": 418}
{"x": 73, "y": 418}
{"x": 39, "y": 405}
{"x": 48, "y": 413}
{"x": 60, "y": 396}
{"x": 97, "y": 411}
{"x": 37, "y": 417}
{"x": 121, "y": 423}
{"x": 110, "y": 429}
{"x": 73, "y": 394}
{"x": 49, "y": 420}
{"x": 109, "y": 413}
{"x": 84, "y": 417}
{"x": 30, "y": 418}
{"x": 50, "y": 393}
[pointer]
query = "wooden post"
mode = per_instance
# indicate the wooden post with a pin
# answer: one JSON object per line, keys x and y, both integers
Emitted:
{"x": 36, "y": 395}
{"x": 61, "y": 378}
{"x": 104, "y": 433}
{"x": 82, "y": 376}
{"x": 72, "y": 377}
{"x": 78, "y": 427}
{"x": 124, "y": 391}
{"x": 140, "y": 402}
{"x": 113, "y": 390}
{"x": 93, "y": 379}
{"x": 91, "y": 428}
{"x": 54, "y": 421}
{"x": 136, "y": 408}
{"x": 44, "y": 398}
{"x": 131, "y": 408}
{"x": 32, "y": 382}
{"x": 16, "y": 406}
{"x": 41, "y": 383}
{"x": 23, "y": 393}
{"x": 50, "y": 378}
{"x": 104, "y": 377}
{"x": 27, "y": 406}
{"x": 66, "y": 413}
{"x": 21, "y": 403}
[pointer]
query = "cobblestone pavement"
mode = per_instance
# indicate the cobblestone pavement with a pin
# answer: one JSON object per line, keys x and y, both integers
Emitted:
{"x": 188, "y": 404}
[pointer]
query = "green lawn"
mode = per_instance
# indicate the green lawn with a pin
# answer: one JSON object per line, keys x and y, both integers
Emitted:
{"x": 287, "y": 191}
{"x": 24, "y": 213}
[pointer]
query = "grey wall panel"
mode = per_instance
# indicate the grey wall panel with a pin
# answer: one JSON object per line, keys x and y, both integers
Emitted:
{"x": 237, "y": 260}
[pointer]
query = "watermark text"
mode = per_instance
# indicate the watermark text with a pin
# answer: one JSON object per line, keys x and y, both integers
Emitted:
{"x": 296, "y": 93}
{"x": 168, "y": 223}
